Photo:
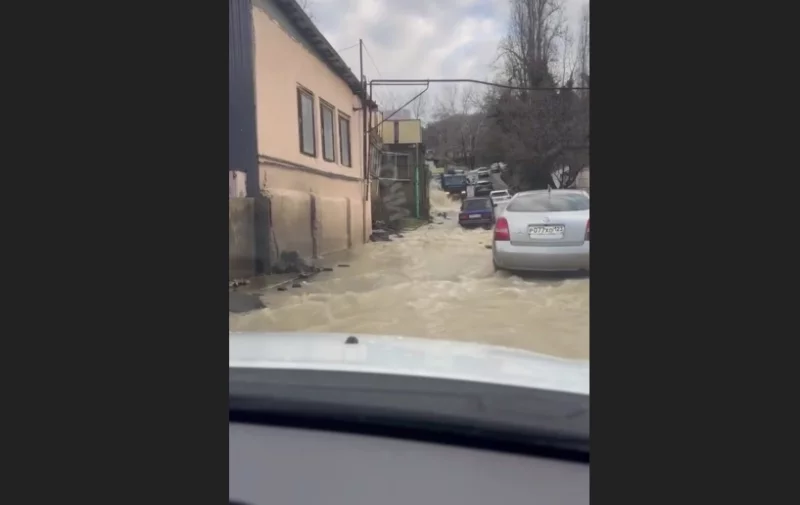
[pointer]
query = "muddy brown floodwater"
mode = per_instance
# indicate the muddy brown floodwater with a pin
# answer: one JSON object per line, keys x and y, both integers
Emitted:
{"x": 437, "y": 282}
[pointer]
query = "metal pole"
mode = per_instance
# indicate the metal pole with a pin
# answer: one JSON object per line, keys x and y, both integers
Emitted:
{"x": 419, "y": 82}
{"x": 364, "y": 106}
{"x": 416, "y": 190}
{"x": 401, "y": 107}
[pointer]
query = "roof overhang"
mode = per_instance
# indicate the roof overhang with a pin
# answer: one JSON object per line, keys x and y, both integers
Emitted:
{"x": 308, "y": 29}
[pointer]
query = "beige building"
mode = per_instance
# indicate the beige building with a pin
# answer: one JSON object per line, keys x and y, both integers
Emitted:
{"x": 402, "y": 131}
{"x": 309, "y": 135}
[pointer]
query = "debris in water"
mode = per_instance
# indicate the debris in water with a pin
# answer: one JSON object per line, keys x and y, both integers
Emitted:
{"x": 487, "y": 246}
{"x": 281, "y": 288}
{"x": 380, "y": 235}
{"x": 297, "y": 285}
{"x": 343, "y": 265}
{"x": 242, "y": 302}
{"x": 291, "y": 262}
{"x": 327, "y": 269}
{"x": 399, "y": 235}
{"x": 351, "y": 340}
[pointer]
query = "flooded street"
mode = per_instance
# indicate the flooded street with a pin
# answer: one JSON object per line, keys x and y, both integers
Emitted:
{"x": 437, "y": 282}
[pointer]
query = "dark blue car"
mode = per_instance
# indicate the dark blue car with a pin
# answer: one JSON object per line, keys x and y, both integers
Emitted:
{"x": 476, "y": 211}
{"x": 454, "y": 184}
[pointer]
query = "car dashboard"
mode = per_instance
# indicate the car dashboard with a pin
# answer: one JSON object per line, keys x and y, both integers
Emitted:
{"x": 279, "y": 464}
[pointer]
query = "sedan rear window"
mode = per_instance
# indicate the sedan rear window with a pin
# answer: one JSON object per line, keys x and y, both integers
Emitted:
{"x": 549, "y": 202}
{"x": 478, "y": 204}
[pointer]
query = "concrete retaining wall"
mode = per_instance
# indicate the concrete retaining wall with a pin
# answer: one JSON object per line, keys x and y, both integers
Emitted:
{"x": 291, "y": 221}
{"x": 334, "y": 226}
{"x": 241, "y": 238}
{"x": 314, "y": 215}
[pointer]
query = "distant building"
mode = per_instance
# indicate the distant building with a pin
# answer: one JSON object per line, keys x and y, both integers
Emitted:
{"x": 402, "y": 142}
{"x": 582, "y": 182}
{"x": 403, "y": 164}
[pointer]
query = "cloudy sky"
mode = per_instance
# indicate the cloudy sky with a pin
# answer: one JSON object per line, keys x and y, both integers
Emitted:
{"x": 440, "y": 38}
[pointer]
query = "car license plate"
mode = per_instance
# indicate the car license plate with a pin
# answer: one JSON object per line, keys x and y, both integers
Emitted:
{"x": 547, "y": 231}
{"x": 474, "y": 216}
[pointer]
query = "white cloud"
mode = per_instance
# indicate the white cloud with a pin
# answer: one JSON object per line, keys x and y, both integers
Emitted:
{"x": 418, "y": 39}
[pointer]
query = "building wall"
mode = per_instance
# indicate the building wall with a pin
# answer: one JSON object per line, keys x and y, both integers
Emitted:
{"x": 242, "y": 154}
{"x": 402, "y": 131}
{"x": 241, "y": 238}
{"x": 317, "y": 206}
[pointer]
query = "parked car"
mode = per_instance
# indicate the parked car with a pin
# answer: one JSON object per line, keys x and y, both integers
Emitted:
{"x": 454, "y": 184}
{"x": 546, "y": 230}
{"x": 483, "y": 173}
{"x": 483, "y": 188}
{"x": 499, "y": 195}
{"x": 476, "y": 211}
{"x": 500, "y": 199}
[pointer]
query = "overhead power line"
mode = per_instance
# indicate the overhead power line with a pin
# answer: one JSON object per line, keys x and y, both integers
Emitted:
{"x": 421, "y": 82}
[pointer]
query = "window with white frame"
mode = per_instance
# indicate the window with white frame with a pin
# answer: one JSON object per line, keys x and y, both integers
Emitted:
{"x": 305, "y": 116}
{"x": 344, "y": 140}
{"x": 327, "y": 113}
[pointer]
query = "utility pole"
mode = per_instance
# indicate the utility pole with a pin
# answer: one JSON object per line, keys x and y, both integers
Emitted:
{"x": 364, "y": 115}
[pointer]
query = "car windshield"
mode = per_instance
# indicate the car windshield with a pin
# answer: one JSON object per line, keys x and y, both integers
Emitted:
{"x": 478, "y": 204}
{"x": 549, "y": 202}
{"x": 348, "y": 179}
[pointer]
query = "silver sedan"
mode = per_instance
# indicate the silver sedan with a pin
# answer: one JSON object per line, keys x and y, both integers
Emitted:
{"x": 545, "y": 230}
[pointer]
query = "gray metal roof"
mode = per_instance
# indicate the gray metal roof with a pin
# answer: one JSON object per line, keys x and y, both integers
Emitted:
{"x": 303, "y": 23}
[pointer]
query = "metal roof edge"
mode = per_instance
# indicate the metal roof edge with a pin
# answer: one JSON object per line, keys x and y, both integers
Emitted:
{"x": 309, "y": 30}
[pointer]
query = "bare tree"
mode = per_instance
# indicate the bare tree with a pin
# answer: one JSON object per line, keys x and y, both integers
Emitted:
{"x": 420, "y": 106}
{"x": 529, "y": 48}
{"x": 567, "y": 58}
{"x": 447, "y": 102}
{"x": 459, "y": 125}
{"x": 542, "y": 132}
{"x": 583, "y": 47}
{"x": 417, "y": 106}
{"x": 389, "y": 100}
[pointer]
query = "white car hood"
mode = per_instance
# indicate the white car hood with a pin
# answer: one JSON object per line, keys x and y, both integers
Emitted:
{"x": 408, "y": 356}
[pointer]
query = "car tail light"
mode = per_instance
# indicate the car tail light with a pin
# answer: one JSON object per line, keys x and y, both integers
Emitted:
{"x": 587, "y": 230}
{"x": 462, "y": 216}
{"x": 501, "y": 231}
